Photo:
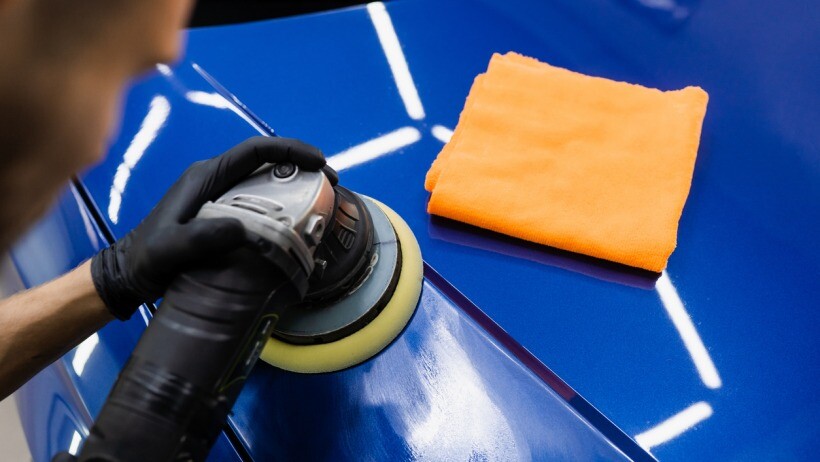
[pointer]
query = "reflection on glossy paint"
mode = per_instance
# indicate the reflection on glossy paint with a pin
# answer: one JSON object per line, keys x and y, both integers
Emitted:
{"x": 207, "y": 99}
{"x": 674, "y": 426}
{"x": 374, "y": 148}
{"x": 165, "y": 70}
{"x": 236, "y": 106}
{"x": 686, "y": 329}
{"x": 395, "y": 58}
{"x": 452, "y": 415}
{"x": 158, "y": 111}
{"x": 463, "y": 420}
{"x": 675, "y": 10}
{"x": 76, "y": 439}
{"x": 442, "y": 133}
{"x": 144, "y": 313}
{"x": 83, "y": 352}
{"x": 220, "y": 102}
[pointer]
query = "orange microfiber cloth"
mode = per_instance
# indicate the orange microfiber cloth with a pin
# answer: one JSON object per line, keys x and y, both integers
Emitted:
{"x": 580, "y": 163}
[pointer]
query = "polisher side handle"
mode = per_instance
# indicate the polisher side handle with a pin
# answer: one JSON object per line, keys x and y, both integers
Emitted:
{"x": 173, "y": 397}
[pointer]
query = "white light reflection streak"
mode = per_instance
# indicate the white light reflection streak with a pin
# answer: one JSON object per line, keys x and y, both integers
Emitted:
{"x": 374, "y": 148}
{"x": 220, "y": 102}
{"x": 83, "y": 353}
{"x": 395, "y": 58}
{"x": 144, "y": 312}
{"x": 442, "y": 133}
{"x": 674, "y": 426}
{"x": 686, "y": 329}
{"x": 158, "y": 112}
{"x": 76, "y": 439}
{"x": 164, "y": 70}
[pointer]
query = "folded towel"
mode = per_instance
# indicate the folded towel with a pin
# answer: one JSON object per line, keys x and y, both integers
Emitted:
{"x": 580, "y": 163}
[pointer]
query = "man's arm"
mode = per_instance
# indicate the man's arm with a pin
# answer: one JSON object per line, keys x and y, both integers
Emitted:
{"x": 42, "y": 324}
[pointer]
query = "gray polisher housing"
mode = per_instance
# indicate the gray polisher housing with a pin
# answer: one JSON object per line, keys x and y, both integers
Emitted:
{"x": 285, "y": 212}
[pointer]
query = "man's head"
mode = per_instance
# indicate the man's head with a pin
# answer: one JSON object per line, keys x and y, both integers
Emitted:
{"x": 63, "y": 67}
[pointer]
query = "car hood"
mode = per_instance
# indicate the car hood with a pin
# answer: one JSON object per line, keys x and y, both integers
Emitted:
{"x": 720, "y": 346}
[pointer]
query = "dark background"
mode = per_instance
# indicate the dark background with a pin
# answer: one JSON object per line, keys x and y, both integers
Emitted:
{"x": 214, "y": 12}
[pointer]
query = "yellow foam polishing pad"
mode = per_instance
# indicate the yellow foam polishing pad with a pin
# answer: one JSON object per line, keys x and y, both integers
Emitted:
{"x": 372, "y": 338}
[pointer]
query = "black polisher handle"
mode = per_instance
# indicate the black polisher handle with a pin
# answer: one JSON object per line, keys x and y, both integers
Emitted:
{"x": 173, "y": 397}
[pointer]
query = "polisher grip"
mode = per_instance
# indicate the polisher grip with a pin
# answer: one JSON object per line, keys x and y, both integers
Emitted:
{"x": 189, "y": 366}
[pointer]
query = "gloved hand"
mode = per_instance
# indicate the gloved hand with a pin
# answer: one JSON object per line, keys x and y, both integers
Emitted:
{"x": 64, "y": 457}
{"x": 140, "y": 266}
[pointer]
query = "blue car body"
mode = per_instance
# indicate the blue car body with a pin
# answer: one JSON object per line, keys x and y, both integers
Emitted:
{"x": 516, "y": 352}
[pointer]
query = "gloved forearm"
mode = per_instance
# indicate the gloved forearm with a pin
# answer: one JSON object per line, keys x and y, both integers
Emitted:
{"x": 138, "y": 268}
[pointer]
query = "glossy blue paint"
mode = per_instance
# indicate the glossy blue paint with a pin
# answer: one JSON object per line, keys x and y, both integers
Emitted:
{"x": 509, "y": 403}
{"x": 746, "y": 266}
{"x": 444, "y": 390}
{"x": 505, "y": 408}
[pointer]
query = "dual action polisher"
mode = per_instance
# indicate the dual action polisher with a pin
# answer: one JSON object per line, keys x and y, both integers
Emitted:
{"x": 328, "y": 280}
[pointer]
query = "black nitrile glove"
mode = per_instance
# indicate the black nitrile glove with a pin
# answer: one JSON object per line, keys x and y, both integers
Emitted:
{"x": 64, "y": 457}
{"x": 138, "y": 268}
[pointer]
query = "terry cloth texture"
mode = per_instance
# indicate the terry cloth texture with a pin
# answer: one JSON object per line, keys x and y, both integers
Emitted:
{"x": 580, "y": 163}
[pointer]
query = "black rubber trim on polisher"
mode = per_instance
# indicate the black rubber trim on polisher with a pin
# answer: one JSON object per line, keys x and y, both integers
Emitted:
{"x": 358, "y": 323}
{"x": 371, "y": 313}
{"x": 345, "y": 251}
